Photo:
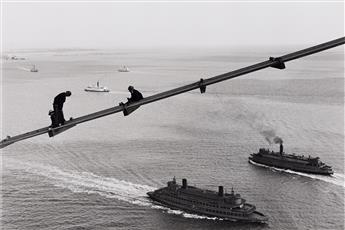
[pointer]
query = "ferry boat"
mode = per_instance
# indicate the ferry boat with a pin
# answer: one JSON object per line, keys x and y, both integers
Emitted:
{"x": 207, "y": 203}
{"x": 96, "y": 88}
{"x": 293, "y": 162}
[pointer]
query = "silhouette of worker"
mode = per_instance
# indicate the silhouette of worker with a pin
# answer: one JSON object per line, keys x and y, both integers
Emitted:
{"x": 59, "y": 100}
{"x": 135, "y": 95}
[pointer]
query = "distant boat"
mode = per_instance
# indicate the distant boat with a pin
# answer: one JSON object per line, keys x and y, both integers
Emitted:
{"x": 123, "y": 69}
{"x": 14, "y": 58}
{"x": 96, "y": 88}
{"x": 33, "y": 69}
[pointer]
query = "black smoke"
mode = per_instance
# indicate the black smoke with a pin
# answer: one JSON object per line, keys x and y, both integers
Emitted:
{"x": 271, "y": 137}
{"x": 278, "y": 140}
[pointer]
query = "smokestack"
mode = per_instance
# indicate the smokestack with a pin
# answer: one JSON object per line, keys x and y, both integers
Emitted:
{"x": 281, "y": 148}
{"x": 220, "y": 191}
{"x": 184, "y": 183}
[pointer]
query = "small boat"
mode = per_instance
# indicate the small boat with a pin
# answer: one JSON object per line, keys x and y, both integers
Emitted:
{"x": 14, "y": 58}
{"x": 33, "y": 69}
{"x": 96, "y": 88}
{"x": 123, "y": 69}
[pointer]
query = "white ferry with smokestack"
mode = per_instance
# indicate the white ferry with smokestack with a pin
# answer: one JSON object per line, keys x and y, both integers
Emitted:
{"x": 298, "y": 163}
{"x": 96, "y": 88}
{"x": 228, "y": 206}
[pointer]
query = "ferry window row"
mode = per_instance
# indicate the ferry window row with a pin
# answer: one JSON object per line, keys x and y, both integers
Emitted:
{"x": 193, "y": 201}
{"x": 225, "y": 213}
{"x": 208, "y": 210}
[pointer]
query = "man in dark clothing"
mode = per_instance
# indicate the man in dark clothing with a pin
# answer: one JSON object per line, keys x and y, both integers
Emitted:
{"x": 135, "y": 95}
{"x": 59, "y": 100}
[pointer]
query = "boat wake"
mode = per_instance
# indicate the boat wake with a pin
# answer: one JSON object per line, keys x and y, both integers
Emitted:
{"x": 90, "y": 183}
{"x": 336, "y": 179}
{"x": 25, "y": 69}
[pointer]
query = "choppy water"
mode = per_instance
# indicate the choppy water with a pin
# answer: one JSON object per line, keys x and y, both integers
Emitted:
{"x": 96, "y": 175}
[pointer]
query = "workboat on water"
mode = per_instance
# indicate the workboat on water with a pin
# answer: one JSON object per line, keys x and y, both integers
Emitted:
{"x": 298, "y": 163}
{"x": 228, "y": 206}
{"x": 96, "y": 88}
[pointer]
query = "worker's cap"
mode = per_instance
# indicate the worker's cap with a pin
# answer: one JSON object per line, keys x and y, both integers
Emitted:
{"x": 68, "y": 93}
{"x": 130, "y": 87}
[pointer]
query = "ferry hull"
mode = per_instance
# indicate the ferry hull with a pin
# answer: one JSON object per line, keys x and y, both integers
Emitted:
{"x": 255, "y": 217}
{"x": 97, "y": 90}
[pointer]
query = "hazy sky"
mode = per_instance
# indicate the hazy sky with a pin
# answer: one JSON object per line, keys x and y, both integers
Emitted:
{"x": 168, "y": 24}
